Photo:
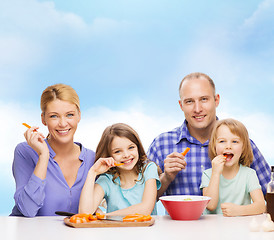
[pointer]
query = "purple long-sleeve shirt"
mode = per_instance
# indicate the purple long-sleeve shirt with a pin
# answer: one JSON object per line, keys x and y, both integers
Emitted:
{"x": 37, "y": 197}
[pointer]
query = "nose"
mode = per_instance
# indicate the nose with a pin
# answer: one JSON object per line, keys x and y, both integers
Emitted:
{"x": 126, "y": 154}
{"x": 197, "y": 107}
{"x": 228, "y": 145}
{"x": 62, "y": 122}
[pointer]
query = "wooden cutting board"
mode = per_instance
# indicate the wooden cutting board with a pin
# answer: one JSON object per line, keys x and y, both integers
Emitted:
{"x": 106, "y": 223}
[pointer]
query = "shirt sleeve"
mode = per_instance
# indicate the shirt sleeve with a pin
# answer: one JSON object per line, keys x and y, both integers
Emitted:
{"x": 30, "y": 190}
{"x": 104, "y": 181}
{"x": 261, "y": 167}
{"x": 154, "y": 154}
{"x": 253, "y": 182}
{"x": 152, "y": 173}
{"x": 205, "y": 179}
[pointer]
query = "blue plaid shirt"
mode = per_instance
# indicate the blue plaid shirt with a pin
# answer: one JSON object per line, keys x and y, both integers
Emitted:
{"x": 187, "y": 181}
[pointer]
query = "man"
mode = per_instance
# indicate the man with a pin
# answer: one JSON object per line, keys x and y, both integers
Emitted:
{"x": 182, "y": 175}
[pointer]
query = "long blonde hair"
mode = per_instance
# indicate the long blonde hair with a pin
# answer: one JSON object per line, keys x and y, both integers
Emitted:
{"x": 59, "y": 91}
{"x": 238, "y": 129}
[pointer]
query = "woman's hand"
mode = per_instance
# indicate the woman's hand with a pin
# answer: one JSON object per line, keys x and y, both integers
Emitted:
{"x": 36, "y": 141}
{"x": 102, "y": 165}
{"x": 218, "y": 164}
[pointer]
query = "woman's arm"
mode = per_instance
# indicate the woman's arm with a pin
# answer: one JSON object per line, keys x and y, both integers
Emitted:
{"x": 30, "y": 189}
{"x": 29, "y": 171}
{"x": 256, "y": 207}
{"x": 92, "y": 194}
{"x": 147, "y": 204}
{"x": 36, "y": 141}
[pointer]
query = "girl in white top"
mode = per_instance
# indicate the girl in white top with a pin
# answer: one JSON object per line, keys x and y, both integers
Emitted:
{"x": 230, "y": 182}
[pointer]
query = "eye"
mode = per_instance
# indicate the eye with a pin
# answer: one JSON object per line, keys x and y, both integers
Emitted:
{"x": 117, "y": 151}
{"x": 53, "y": 116}
{"x": 235, "y": 141}
{"x": 204, "y": 99}
{"x": 131, "y": 147}
{"x": 70, "y": 115}
{"x": 188, "y": 101}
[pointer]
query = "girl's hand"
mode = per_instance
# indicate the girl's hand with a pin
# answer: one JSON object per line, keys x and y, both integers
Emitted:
{"x": 218, "y": 164}
{"x": 230, "y": 209}
{"x": 102, "y": 165}
{"x": 36, "y": 141}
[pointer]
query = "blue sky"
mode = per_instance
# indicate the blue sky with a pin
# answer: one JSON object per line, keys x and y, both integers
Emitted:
{"x": 126, "y": 59}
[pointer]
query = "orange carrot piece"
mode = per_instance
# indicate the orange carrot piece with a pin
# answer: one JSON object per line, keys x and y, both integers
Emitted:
{"x": 28, "y": 126}
{"x": 136, "y": 218}
{"x": 100, "y": 216}
{"x": 186, "y": 151}
{"x": 118, "y": 164}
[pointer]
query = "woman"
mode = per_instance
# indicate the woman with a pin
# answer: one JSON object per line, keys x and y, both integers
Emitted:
{"x": 50, "y": 173}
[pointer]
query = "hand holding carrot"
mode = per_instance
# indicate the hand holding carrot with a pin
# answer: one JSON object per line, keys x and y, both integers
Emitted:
{"x": 102, "y": 165}
{"x": 174, "y": 163}
{"x": 35, "y": 140}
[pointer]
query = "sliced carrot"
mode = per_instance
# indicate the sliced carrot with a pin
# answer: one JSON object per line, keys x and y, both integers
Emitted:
{"x": 136, "y": 218}
{"x": 100, "y": 216}
{"x": 186, "y": 151}
{"x": 80, "y": 218}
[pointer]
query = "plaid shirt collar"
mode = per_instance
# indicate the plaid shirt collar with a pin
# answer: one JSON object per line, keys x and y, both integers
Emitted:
{"x": 185, "y": 134}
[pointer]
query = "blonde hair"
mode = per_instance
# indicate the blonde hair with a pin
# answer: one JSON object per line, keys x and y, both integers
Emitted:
{"x": 236, "y": 128}
{"x": 59, "y": 91}
{"x": 120, "y": 130}
{"x": 197, "y": 75}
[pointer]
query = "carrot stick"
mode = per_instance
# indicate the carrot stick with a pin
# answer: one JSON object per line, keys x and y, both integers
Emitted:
{"x": 28, "y": 126}
{"x": 118, "y": 164}
{"x": 186, "y": 151}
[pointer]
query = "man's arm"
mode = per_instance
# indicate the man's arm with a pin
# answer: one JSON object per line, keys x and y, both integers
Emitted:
{"x": 261, "y": 167}
{"x": 173, "y": 163}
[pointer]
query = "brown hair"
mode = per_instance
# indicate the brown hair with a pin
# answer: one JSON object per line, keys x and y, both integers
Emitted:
{"x": 197, "y": 75}
{"x": 120, "y": 130}
{"x": 238, "y": 129}
{"x": 59, "y": 91}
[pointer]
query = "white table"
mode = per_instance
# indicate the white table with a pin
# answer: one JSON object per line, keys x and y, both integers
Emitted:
{"x": 207, "y": 227}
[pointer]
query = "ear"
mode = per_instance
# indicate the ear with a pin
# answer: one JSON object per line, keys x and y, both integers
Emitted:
{"x": 181, "y": 104}
{"x": 79, "y": 116}
{"x": 43, "y": 119}
{"x": 217, "y": 100}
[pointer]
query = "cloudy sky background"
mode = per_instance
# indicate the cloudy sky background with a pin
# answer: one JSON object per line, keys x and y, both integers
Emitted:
{"x": 126, "y": 60}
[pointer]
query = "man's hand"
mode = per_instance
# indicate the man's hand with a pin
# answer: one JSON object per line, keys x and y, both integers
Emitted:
{"x": 173, "y": 163}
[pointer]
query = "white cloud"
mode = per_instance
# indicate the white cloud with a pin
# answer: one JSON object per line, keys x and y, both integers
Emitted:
{"x": 256, "y": 32}
{"x": 264, "y": 13}
{"x": 260, "y": 127}
{"x": 95, "y": 120}
{"x": 148, "y": 127}
{"x": 34, "y": 30}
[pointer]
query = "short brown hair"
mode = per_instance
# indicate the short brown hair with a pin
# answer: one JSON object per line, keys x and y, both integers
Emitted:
{"x": 237, "y": 128}
{"x": 197, "y": 75}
